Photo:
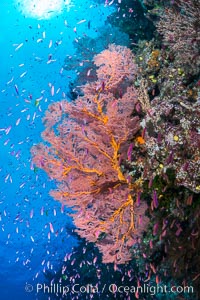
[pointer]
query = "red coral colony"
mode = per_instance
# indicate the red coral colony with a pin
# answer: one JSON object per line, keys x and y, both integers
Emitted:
{"x": 126, "y": 153}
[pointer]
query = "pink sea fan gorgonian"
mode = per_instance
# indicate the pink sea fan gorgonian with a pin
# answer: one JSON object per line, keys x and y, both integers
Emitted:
{"x": 85, "y": 141}
{"x": 180, "y": 28}
{"x": 115, "y": 66}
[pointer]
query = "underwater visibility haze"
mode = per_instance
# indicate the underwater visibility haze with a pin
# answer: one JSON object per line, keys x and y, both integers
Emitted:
{"x": 100, "y": 149}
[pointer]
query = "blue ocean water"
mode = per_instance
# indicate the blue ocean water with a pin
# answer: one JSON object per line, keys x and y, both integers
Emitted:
{"x": 47, "y": 49}
{"x": 32, "y": 58}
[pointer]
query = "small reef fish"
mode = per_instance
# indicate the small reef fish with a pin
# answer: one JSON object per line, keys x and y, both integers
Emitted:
{"x": 51, "y": 227}
{"x": 19, "y": 46}
{"x": 81, "y": 21}
{"x": 23, "y": 74}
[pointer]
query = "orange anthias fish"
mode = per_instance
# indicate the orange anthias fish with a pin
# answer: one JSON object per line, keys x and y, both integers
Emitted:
{"x": 140, "y": 140}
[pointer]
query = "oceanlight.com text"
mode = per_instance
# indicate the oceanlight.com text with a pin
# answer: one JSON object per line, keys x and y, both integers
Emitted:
{"x": 111, "y": 288}
{"x": 152, "y": 290}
